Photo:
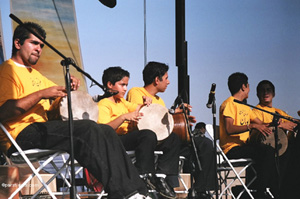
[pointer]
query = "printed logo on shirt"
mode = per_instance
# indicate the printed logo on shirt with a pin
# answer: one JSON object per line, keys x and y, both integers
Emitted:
{"x": 36, "y": 82}
{"x": 243, "y": 117}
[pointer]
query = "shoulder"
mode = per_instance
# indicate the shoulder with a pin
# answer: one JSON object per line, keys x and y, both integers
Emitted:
{"x": 136, "y": 90}
{"x": 226, "y": 102}
{"x": 104, "y": 102}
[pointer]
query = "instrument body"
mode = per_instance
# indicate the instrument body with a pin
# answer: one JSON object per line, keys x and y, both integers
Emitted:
{"x": 258, "y": 137}
{"x": 181, "y": 127}
{"x": 83, "y": 107}
{"x": 158, "y": 119}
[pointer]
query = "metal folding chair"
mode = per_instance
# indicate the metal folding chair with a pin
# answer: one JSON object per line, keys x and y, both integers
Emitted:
{"x": 227, "y": 170}
{"x": 30, "y": 156}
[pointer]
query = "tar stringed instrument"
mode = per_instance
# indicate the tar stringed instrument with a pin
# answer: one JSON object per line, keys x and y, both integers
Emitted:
{"x": 83, "y": 107}
{"x": 158, "y": 119}
{"x": 258, "y": 137}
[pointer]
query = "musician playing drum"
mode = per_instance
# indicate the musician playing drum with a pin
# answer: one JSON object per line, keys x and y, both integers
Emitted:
{"x": 235, "y": 124}
{"x": 122, "y": 116}
{"x": 155, "y": 76}
{"x": 265, "y": 91}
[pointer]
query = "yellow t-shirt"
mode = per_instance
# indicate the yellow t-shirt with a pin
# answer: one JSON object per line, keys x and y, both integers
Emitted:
{"x": 109, "y": 111}
{"x": 242, "y": 115}
{"x": 266, "y": 117}
{"x": 136, "y": 94}
{"x": 16, "y": 82}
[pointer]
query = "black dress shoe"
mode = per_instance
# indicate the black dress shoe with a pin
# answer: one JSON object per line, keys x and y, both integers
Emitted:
{"x": 148, "y": 181}
{"x": 203, "y": 195}
{"x": 163, "y": 188}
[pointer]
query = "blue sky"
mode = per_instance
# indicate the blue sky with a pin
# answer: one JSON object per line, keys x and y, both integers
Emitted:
{"x": 259, "y": 38}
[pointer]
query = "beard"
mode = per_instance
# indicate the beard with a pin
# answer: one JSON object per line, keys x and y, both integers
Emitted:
{"x": 33, "y": 60}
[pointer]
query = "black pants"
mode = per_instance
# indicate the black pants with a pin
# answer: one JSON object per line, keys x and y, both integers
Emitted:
{"x": 144, "y": 142}
{"x": 96, "y": 147}
{"x": 205, "y": 179}
{"x": 265, "y": 164}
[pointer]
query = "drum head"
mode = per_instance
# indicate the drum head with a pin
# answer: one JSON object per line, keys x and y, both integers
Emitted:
{"x": 158, "y": 119}
{"x": 83, "y": 107}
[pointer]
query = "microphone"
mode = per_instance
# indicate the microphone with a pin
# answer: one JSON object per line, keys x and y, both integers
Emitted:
{"x": 211, "y": 95}
{"x": 176, "y": 102}
{"x": 109, "y": 3}
{"x": 107, "y": 93}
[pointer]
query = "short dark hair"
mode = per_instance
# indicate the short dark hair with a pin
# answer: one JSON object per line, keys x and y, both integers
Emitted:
{"x": 200, "y": 125}
{"x": 265, "y": 82}
{"x": 21, "y": 32}
{"x": 236, "y": 82}
{"x": 114, "y": 74}
{"x": 153, "y": 70}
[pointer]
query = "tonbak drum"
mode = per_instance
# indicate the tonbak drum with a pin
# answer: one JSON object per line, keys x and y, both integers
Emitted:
{"x": 158, "y": 119}
{"x": 257, "y": 137}
{"x": 83, "y": 107}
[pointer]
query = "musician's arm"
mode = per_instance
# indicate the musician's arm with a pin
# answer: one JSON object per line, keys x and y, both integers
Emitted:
{"x": 232, "y": 129}
{"x": 260, "y": 126}
{"x": 131, "y": 116}
{"x": 15, "y": 107}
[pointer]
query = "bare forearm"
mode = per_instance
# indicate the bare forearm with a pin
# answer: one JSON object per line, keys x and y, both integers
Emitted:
{"x": 117, "y": 122}
{"x": 14, "y": 108}
{"x": 236, "y": 129}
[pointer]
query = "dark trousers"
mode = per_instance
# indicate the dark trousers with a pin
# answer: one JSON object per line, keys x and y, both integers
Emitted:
{"x": 144, "y": 142}
{"x": 265, "y": 164}
{"x": 205, "y": 179}
{"x": 291, "y": 180}
{"x": 96, "y": 147}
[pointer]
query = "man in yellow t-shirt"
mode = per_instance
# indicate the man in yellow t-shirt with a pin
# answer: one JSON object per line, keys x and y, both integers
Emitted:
{"x": 235, "y": 122}
{"x": 122, "y": 116}
{"x": 265, "y": 92}
{"x": 156, "y": 80}
{"x": 24, "y": 102}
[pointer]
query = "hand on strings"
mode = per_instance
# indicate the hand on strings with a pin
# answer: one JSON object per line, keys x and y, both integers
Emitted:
{"x": 75, "y": 83}
{"x": 179, "y": 109}
{"x": 192, "y": 119}
{"x": 147, "y": 100}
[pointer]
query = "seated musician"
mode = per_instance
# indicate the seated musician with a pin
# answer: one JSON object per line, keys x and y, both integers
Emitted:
{"x": 236, "y": 120}
{"x": 24, "y": 101}
{"x": 155, "y": 76}
{"x": 122, "y": 115}
{"x": 205, "y": 179}
{"x": 265, "y": 91}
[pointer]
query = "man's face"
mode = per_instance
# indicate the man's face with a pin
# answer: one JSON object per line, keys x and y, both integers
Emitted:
{"x": 30, "y": 51}
{"x": 247, "y": 90}
{"x": 163, "y": 84}
{"x": 120, "y": 86}
{"x": 202, "y": 130}
{"x": 265, "y": 94}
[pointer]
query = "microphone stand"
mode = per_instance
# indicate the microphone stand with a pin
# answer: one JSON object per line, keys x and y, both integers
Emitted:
{"x": 193, "y": 194}
{"x": 215, "y": 145}
{"x": 275, "y": 123}
{"x": 66, "y": 62}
